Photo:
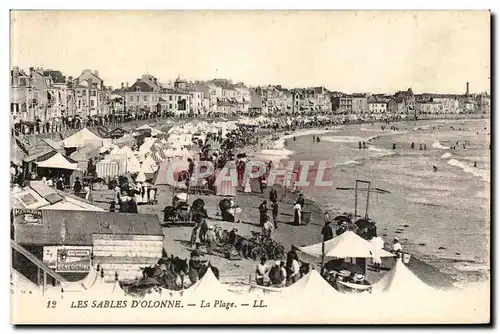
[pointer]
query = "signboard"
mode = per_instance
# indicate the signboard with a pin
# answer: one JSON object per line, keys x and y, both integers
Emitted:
{"x": 27, "y": 217}
{"x": 74, "y": 259}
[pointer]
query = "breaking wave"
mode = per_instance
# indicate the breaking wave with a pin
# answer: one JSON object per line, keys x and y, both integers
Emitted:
{"x": 446, "y": 155}
{"x": 347, "y": 139}
{"x": 437, "y": 144}
{"x": 483, "y": 174}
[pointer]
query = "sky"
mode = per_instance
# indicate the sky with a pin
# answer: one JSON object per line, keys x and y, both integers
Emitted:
{"x": 378, "y": 52}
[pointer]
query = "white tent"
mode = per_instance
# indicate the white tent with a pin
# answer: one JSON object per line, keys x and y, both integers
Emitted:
{"x": 346, "y": 245}
{"x": 312, "y": 286}
{"x": 149, "y": 165}
{"x": 133, "y": 164}
{"x": 141, "y": 177}
{"x": 154, "y": 132}
{"x": 207, "y": 287}
{"x": 400, "y": 280}
{"x": 146, "y": 146}
{"x": 58, "y": 161}
{"x": 82, "y": 138}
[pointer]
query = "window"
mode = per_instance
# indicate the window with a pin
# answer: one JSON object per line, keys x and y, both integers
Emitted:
{"x": 131, "y": 98}
{"x": 92, "y": 103}
{"x": 145, "y": 98}
{"x": 179, "y": 98}
{"x": 84, "y": 92}
{"x": 138, "y": 98}
{"x": 170, "y": 105}
{"x": 170, "y": 97}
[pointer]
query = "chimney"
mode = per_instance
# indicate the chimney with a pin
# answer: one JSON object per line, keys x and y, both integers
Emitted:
{"x": 126, "y": 84}
{"x": 155, "y": 81}
{"x": 467, "y": 89}
{"x": 123, "y": 85}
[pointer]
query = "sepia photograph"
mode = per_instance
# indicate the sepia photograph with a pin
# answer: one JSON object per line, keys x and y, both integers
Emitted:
{"x": 250, "y": 167}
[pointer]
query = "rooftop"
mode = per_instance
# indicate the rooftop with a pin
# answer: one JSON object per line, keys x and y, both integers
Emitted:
{"x": 71, "y": 227}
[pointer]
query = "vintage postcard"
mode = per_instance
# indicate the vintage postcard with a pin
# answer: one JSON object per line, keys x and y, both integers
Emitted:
{"x": 250, "y": 167}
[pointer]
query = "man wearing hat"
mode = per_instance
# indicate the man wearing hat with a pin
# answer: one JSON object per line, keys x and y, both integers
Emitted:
{"x": 396, "y": 247}
{"x": 210, "y": 240}
{"x": 275, "y": 274}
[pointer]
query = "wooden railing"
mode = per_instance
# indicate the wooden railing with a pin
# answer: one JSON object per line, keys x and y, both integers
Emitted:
{"x": 42, "y": 267}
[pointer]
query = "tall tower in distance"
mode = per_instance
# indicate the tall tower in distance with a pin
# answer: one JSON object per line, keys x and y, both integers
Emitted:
{"x": 467, "y": 89}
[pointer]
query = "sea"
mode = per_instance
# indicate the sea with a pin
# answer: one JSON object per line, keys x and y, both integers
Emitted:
{"x": 432, "y": 196}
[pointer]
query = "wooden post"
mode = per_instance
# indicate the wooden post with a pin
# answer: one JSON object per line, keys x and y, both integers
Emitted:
{"x": 38, "y": 276}
{"x": 356, "y": 200}
{"x": 322, "y": 256}
{"x": 367, "y": 200}
{"x": 44, "y": 281}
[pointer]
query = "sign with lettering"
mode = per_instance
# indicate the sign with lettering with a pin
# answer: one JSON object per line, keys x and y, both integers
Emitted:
{"x": 74, "y": 259}
{"x": 27, "y": 216}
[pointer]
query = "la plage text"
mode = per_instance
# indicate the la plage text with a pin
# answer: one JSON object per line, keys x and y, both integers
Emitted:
{"x": 222, "y": 304}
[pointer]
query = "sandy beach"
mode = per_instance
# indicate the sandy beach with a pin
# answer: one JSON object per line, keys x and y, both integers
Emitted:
{"x": 431, "y": 266}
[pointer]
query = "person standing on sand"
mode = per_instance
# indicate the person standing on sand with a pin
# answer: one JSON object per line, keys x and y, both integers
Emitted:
{"x": 261, "y": 271}
{"x": 327, "y": 231}
{"x": 396, "y": 247}
{"x": 263, "y": 212}
{"x": 274, "y": 207}
{"x": 210, "y": 240}
{"x": 194, "y": 234}
{"x": 273, "y": 195}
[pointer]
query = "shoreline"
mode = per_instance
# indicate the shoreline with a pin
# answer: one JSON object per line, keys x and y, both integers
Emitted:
{"x": 461, "y": 270}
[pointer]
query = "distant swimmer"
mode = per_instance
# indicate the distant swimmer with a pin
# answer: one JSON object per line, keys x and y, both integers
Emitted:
{"x": 364, "y": 145}
{"x": 317, "y": 139}
{"x": 464, "y": 146}
{"x": 425, "y": 147}
{"x": 314, "y": 138}
{"x": 393, "y": 146}
{"x": 285, "y": 143}
{"x": 293, "y": 138}
{"x": 420, "y": 147}
{"x": 359, "y": 145}
{"x": 412, "y": 145}
{"x": 434, "y": 169}
{"x": 475, "y": 163}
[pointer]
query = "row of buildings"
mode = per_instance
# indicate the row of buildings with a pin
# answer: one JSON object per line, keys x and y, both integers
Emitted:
{"x": 406, "y": 102}
{"x": 42, "y": 95}
{"x": 148, "y": 95}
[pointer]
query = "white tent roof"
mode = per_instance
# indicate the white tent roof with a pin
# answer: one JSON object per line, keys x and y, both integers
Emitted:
{"x": 144, "y": 127}
{"x": 141, "y": 177}
{"x": 346, "y": 245}
{"x": 81, "y": 138}
{"x": 207, "y": 287}
{"x": 401, "y": 280}
{"x": 58, "y": 161}
{"x": 312, "y": 285}
{"x": 133, "y": 165}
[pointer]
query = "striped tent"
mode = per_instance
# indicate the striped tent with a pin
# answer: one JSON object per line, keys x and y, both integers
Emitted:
{"x": 225, "y": 186}
{"x": 157, "y": 158}
{"x": 107, "y": 169}
{"x": 162, "y": 174}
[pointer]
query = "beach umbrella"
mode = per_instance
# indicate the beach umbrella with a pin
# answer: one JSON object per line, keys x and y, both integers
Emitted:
{"x": 363, "y": 223}
{"x": 342, "y": 219}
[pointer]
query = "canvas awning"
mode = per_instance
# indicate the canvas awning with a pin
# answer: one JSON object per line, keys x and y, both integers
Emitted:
{"x": 82, "y": 138}
{"x": 401, "y": 280}
{"x": 346, "y": 245}
{"x": 58, "y": 161}
{"x": 312, "y": 285}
